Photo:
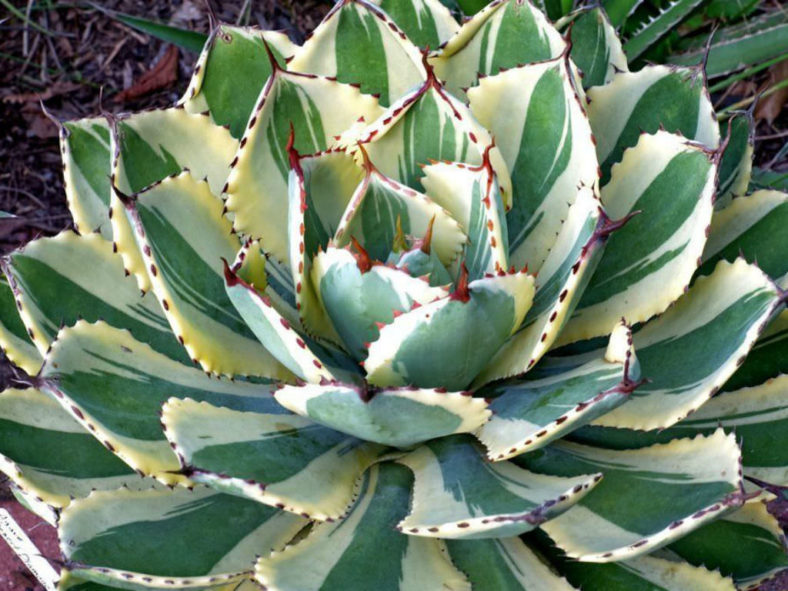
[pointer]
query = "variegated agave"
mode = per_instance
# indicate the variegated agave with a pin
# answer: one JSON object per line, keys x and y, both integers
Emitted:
{"x": 460, "y": 359}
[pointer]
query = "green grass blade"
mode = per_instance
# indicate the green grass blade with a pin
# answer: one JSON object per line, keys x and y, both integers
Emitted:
{"x": 652, "y": 30}
{"x": 188, "y": 40}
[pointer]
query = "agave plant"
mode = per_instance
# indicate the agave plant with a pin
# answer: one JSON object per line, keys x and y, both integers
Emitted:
{"x": 362, "y": 314}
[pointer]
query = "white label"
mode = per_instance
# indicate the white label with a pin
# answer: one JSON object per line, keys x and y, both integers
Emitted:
{"x": 22, "y": 546}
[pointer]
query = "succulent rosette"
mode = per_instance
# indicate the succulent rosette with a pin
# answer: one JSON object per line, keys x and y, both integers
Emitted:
{"x": 415, "y": 305}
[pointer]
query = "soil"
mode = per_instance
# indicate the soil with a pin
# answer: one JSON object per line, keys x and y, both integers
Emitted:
{"x": 81, "y": 67}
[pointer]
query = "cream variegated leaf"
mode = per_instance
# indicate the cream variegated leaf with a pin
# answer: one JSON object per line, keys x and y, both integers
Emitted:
{"x": 114, "y": 386}
{"x": 458, "y": 494}
{"x": 107, "y": 537}
{"x": 690, "y": 351}
{"x": 504, "y": 34}
{"x": 58, "y": 280}
{"x": 85, "y": 146}
{"x": 558, "y": 396}
{"x": 447, "y": 342}
{"x": 148, "y": 147}
{"x": 30, "y": 421}
{"x": 596, "y": 49}
{"x": 231, "y": 72}
{"x": 281, "y": 460}
{"x": 654, "y": 98}
{"x": 358, "y": 43}
{"x": 537, "y": 118}
{"x": 183, "y": 236}
{"x": 647, "y": 497}
{"x": 649, "y": 262}
{"x": 315, "y": 109}
{"x": 339, "y": 555}
{"x": 400, "y": 417}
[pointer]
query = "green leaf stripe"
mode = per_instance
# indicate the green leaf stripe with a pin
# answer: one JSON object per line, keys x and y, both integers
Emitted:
{"x": 397, "y": 417}
{"x": 203, "y": 539}
{"x": 654, "y": 98}
{"x": 183, "y": 236}
{"x": 230, "y": 73}
{"x": 649, "y": 262}
{"x": 115, "y": 386}
{"x": 85, "y": 146}
{"x": 539, "y": 124}
{"x": 544, "y": 405}
{"x": 49, "y": 454}
{"x": 58, "y": 280}
{"x": 339, "y": 555}
{"x": 458, "y": 494}
{"x": 690, "y": 351}
{"x": 279, "y": 460}
{"x": 646, "y": 498}
{"x": 14, "y": 338}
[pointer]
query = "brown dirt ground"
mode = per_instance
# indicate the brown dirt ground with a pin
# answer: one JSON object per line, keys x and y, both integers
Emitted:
{"x": 77, "y": 70}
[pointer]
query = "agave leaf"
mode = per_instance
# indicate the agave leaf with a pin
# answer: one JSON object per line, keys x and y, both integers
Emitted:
{"x": 320, "y": 188}
{"x": 732, "y": 48}
{"x": 752, "y": 227}
{"x": 473, "y": 197}
{"x": 85, "y": 146}
{"x": 539, "y": 124}
{"x": 504, "y": 564}
{"x": 429, "y": 124}
{"x": 339, "y": 555}
{"x": 115, "y": 386}
{"x": 427, "y": 23}
{"x": 171, "y": 538}
{"x": 48, "y": 454}
{"x": 504, "y": 34}
{"x": 748, "y": 545}
{"x": 736, "y": 162}
{"x": 152, "y": 145}
{"x": 643, "y": 572}
{"x": 654, "y": 28}
{"x": 358, "y": 43}
{"x": 380, "y": 207}
{"x": 356, "y": 300}
{"x": 690, "y": 351}
{"x": 768, "y": 179}
{"x": 758, "y": 416}
{"x": 458, "y": 494}
{"x": 649, "y": 262}
{"x": 230, "y": 73}
{"x": 286, "y": 341}
{"x": 61, "y": 279}
{"x": 280, "y": 460}
{"x": 647, "y": 498}
{"x": 557, "y": 397}
{"x": 619, "y": 10}
{"x": 447, "y": 342}
{"x": 182, "y": 235}
{"x": 318, "y": 109}
{"x": 768, "y": 357}
{"x": 596, "y": 49}
{"x": 656, "y": 97}
{"x": 560, "y": 282}
{"x": 14, "y": 339}
{"x": 399, "y": 417}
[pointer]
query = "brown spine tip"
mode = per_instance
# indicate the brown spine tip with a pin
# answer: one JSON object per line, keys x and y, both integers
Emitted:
{"x": 426, "y": 242}
{"x": 363, "y": 260}
{"x": 230, "y": 278}
{"x": 461, "y": 292}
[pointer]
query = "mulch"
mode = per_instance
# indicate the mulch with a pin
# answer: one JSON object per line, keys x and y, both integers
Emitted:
{"x": 88, "y": 64}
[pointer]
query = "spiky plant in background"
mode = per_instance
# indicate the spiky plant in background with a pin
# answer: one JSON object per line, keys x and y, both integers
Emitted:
{"x": 410, "y": 319}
